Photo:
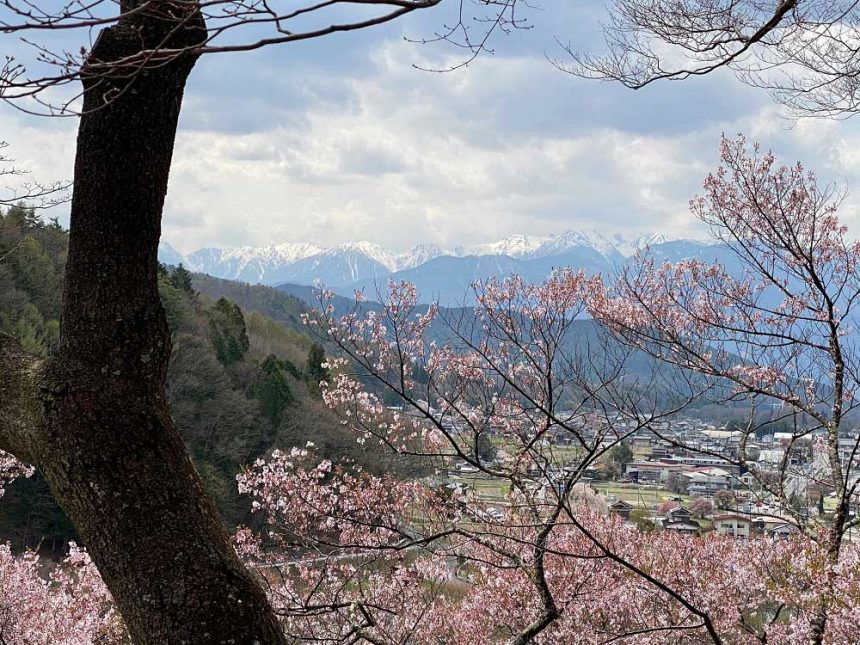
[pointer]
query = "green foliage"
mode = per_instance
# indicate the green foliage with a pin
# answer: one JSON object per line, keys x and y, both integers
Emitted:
{"x": 620, "y": 454}
{"x": 234, "y": 390}
{"x": 280, "y": 307}
{"x": 34, "y": 333}
{"x": 316, "y": 372}
{"x": 32, "y": 259}
{"x": 175, "y": 302}
{"x": 180, "y": 278}
{"x": 272, "y": 389}
{"x": 611, "y": 466}
{"x": 292, "y": 369}
{"x": 228, "y": 332}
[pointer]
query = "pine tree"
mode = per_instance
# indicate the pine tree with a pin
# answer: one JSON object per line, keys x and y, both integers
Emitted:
{"x": 180, "y": 277}
{"x": 316, "y": 371}
{"x": 272, "y": 389}
{"x": 229, "y": 333}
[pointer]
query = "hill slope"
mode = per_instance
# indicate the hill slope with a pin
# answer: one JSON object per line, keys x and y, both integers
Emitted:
{"x": 238, "y": 378}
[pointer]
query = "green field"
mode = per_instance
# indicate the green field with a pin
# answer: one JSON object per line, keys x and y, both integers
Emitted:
{"x": 495, "y": 491}
{"x": 638, "y": 497}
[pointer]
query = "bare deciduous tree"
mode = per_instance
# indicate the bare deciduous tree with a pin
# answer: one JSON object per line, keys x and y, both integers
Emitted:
{"x": 803, "y": 51}
{"x": 37, "y": 195}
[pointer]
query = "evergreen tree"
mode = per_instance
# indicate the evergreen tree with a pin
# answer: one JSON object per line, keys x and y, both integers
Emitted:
{"x": 228, "y": 330}
{"x": 180, "y": 277}
{"x": 32, "y": 259}
{"x": 485, "y": 451}
{"x": 272, "y": 389}
{"x": 620, "y": 454}
{"x": 24, "y": 215}
{"x": 315, "y": 369}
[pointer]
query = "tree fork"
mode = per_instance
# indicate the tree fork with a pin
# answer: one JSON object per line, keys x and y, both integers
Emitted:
{"x": 100, "y": 430}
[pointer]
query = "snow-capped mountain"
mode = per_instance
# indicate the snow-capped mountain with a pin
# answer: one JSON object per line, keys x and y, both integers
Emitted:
{"x": 515, "y": 246}
{"x": 448, "y": 279}
{"x": 446, "y": 272}
{"x": 168, "y": 255}
{"x": 392, "y": 260}
{"x": 629, "y": 245}
{"x": 338, "y": 266}
{"x": 574, "y": 239}
{"x": 544, "y": 246}
{"x": 254, "y": 265}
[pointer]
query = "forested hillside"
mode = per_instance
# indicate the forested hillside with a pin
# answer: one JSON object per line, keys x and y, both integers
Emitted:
{"x": 239, "y": 381}
{"x": 32, "y": 258}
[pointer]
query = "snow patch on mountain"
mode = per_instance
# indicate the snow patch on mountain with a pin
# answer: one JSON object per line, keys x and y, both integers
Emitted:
{"x": 515, "y": 246}
{"x": 587, "y": 238}
{"x": 392, "y": 260}
{"x": 303, "y": 262}
{"x": 248, "y": 263}
{"x": 628, "y": 245}
{"x": 287, "y": 253}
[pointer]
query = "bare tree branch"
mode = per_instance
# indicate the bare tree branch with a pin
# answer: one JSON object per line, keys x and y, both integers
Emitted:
{"x": 36, "y": 73}
{"x": 36, "y": 195}
{"x": 804, "y": 52}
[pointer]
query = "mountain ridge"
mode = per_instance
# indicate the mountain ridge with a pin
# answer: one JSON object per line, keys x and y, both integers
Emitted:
{"x": 352, "y": 262}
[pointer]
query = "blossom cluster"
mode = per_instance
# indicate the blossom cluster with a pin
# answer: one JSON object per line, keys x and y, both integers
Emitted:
{"x": 466, "y": 577}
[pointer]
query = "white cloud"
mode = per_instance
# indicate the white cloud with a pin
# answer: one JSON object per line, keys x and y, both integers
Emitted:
{"x": 44, "y": 148}
{"x": 398, "y": 157}
{"x": 420, "y": 158}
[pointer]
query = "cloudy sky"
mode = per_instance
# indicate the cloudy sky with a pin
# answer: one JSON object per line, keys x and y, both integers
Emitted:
{"x": 342, "y": 139}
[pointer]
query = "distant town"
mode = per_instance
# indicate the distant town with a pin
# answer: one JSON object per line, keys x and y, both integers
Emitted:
{"x": 686, "y": 475}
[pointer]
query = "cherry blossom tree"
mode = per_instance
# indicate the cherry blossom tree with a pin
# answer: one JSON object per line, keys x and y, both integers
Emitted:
{"x": 665, "y": 507}
{"x": 778, "y": 332}
{"x": 93, "y": 417}
{"x": 379, "y": 560}
{"x": 68, "y": 606}
{"x": 533, "y": 560}
{"x": 10, "y": 470}
{"x": 512, "y": 545}
{"x": 701, "y": 507}
{"x": 65, "y": 603}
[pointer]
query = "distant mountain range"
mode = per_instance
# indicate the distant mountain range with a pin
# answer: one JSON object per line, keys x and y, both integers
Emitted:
{"x": 440, "y": 274}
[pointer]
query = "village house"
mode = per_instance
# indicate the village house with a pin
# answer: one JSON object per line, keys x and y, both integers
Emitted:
{"x": 681, "y": 520}
{"x": 782, "y": 531}
{"x": 774, "y": 527}
{"x": 650, "y": 472}
{"x": 706, "y": 480}
{"x": 622, "y": 509}
{"x": 739, "y": 526}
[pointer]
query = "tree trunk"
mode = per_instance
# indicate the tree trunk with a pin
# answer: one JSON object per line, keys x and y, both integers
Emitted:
{"x": 106, "y": 442}
{"x": 834, "y": 537}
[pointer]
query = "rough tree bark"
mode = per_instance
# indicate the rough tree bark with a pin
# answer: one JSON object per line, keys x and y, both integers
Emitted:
{"x": 94, "y": 418}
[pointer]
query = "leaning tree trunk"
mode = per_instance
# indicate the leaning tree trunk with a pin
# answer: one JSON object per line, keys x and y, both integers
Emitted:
{"x": 99, "y": 427}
